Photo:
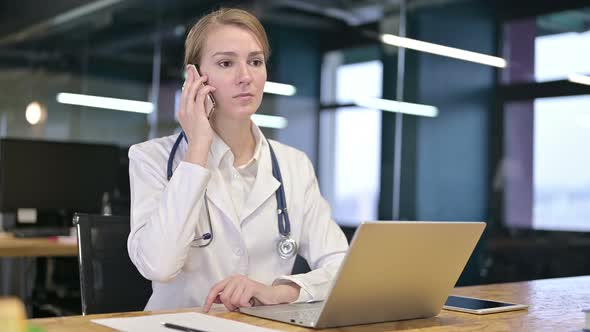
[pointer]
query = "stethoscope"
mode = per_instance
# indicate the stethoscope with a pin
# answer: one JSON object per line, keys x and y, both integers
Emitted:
{"x": 286, "y": 246}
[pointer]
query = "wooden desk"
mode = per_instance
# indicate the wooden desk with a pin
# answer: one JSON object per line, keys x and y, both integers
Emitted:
{"x": 34, "y": 247}
{"x": 555, "y": 305}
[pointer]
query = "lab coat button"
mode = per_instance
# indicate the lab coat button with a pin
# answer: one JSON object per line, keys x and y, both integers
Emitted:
{"x": 238, "y": 251}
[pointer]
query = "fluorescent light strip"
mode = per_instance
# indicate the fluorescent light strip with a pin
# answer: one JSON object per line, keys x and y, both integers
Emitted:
{"x": 105, "y": 102}
{"x": 398, "y": 107}
{"x": 279, "y": 88}
{"x": 269, "y": 121}
{"x": 443, "y": 50}
{"x": 579, "y": 78}
{"x": 275, "y": 88}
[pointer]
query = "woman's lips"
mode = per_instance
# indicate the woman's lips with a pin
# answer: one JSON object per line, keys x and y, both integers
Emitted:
{"x": 244, "y": 97}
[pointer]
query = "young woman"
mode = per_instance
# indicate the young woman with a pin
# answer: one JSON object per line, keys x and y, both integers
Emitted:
{"x": 209, "y": 217}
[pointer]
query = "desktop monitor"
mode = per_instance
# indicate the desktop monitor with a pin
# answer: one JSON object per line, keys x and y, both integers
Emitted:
{"x": 55, "y": 178}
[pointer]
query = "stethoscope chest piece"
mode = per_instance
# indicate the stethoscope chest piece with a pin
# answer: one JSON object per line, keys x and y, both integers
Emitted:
{"x": 287, "y": 247}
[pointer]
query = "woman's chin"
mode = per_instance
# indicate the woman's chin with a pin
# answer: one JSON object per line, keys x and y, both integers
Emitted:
{"x": 239, "y": 113}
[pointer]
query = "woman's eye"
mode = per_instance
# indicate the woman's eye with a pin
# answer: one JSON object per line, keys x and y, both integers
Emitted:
{"x": 225, "y": 64}
{"x": 257, "y": 62}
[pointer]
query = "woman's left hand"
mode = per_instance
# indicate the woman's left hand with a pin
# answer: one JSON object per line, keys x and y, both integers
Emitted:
{"x": 239, "y": 291}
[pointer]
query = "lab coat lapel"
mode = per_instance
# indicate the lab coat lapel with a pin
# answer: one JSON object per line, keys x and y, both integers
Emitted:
{"x": 265, "y": 184}
{"x": 217, "y": 193}
{"x": 219, "y": 196}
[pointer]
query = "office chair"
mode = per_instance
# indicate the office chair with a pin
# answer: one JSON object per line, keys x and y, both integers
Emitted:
{"x": 109, "y": 282}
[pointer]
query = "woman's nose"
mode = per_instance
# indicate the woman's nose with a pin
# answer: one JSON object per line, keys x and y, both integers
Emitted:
{"x": 244, "y": 74}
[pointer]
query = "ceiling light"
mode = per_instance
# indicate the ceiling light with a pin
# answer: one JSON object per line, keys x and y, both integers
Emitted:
{"x": 105, "y": 102}
{"x": 279, "y": 89}
{"x": 35, "y": 113}
{"x": 397, "y": 107}
{"x": 443, "y": 50}
{"x": 269, "y": 121}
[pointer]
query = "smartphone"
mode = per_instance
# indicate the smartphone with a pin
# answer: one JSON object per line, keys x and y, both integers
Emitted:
{"x": 479, "y": 306}
{"x": 210, "y": 101}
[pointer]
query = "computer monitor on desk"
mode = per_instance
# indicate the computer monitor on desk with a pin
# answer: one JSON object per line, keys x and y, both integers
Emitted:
{"x": 43, "y": 182}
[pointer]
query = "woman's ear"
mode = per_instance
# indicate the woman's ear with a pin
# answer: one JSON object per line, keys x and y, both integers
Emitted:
{"x": 198, "y": 69}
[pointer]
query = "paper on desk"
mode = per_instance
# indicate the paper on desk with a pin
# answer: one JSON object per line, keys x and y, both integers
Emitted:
{"x": 189, "y": 319}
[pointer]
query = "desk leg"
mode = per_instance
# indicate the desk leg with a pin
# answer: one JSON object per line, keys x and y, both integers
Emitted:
{"x": 44, "y": 290}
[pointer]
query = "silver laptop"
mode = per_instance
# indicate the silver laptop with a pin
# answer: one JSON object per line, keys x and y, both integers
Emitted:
{"x": 392, "y": 271}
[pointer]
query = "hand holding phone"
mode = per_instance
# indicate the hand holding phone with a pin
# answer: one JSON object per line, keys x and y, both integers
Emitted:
{"x": 196, "y": 107}
{"x": 209, "y": 101}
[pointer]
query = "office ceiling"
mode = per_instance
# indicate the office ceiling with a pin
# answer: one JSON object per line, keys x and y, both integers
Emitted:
{"x": 62, "y": 32}
{"x": 119, "y": 35}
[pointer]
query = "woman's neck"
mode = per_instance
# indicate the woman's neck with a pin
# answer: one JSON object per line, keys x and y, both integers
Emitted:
{"x": 238, "y": 136}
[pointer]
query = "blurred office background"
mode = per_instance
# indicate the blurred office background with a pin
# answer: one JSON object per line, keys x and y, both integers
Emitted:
{"x": 504, "y": 142}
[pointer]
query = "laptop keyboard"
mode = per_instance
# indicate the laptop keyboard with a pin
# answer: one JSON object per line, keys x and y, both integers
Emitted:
{"x": 299, "y": 313}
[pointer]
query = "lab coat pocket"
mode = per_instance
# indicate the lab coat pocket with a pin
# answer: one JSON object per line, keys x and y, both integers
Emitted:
{"x": 199, "y": 248}
{"x": 195, "y": 259}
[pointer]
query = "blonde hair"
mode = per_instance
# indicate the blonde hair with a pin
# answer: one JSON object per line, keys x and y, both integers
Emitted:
{"x": 195, "y": 40}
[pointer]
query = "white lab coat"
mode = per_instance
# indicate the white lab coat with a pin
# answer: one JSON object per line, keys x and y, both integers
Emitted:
{"x": 165, "y": 216}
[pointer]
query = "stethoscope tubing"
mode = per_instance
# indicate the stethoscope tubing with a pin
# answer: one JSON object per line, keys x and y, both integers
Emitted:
{"x": 284, "y": 224}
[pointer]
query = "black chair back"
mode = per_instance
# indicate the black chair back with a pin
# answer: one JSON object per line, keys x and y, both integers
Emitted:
{"x": 109, "y": 282}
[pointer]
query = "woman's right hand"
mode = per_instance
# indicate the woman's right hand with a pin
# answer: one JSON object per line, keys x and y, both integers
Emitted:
{"x": 193, "y": 116}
